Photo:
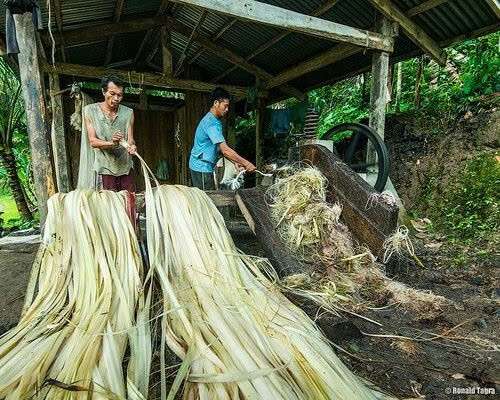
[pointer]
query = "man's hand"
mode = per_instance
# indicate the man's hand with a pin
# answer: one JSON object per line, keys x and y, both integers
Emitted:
{"x": 249, "y": 167}
{"x": 117, "y": 138}
{"x": 132, "y": 149}
{"x": 239, "y": 167}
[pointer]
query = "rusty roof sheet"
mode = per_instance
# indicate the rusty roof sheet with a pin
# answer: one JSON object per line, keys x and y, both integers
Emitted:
{"x": 451, "y": 20}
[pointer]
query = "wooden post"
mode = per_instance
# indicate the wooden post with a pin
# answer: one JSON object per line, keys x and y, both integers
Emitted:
{"x": 259, "y": 134}
{"x": 418, "y": 81}
{"x": 230, "y": 128}
{"x": 166, "y": 51}
{"x": 378, "y": 102}
{"x": 58, "y": 136}
{"x": 399, "y": 81}
{"x": 43, "y": 174}
{"x": 378, "y": 95}
{"x": 143, "y": 100}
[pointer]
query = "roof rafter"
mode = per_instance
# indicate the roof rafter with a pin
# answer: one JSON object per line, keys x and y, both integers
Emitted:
{"x": 194, "y": 32}
{"x": 116, "y": 18}
{"x": 161, "y": 10}
{"x": 102, "y": 31}
{"x": 495, "y": 6}
{"x": 228, "y": 55}
{"x": 316, "y": 13}
{"x": 214, "y": 38}
{"x": 414, "y": 32}
{"x": 286, "y": 19}
{"x": 425, "y": 6}
{"x": 337, "y": 53}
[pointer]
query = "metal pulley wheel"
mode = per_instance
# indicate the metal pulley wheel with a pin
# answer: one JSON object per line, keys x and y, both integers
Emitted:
{"x": 351, "y": 141}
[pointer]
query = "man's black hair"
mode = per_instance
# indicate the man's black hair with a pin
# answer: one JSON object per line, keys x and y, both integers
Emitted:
{"x": 219, "y": 94}
{"x": 111, "y": 78}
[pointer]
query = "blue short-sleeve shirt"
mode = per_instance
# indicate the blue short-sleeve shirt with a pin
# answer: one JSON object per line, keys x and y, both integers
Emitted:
{"x": 205, "y": 148}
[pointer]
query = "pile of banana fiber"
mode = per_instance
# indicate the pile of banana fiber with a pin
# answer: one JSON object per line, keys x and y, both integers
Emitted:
{"x": 86, "y": 328}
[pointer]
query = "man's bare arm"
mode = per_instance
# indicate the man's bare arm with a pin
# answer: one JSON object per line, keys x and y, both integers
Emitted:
{"x": 94, "y": 141}
{"x": 229, "y": 153}
{"x": 130, "y": 136}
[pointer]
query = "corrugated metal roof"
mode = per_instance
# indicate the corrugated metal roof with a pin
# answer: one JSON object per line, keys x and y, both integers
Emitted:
{"x": 444, "y": 22}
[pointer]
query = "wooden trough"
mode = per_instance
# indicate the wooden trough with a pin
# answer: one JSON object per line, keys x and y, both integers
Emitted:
{"x": 370, "y": 222}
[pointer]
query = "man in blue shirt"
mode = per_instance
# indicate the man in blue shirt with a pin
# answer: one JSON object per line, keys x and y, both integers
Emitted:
{"x": 209, "y": 141}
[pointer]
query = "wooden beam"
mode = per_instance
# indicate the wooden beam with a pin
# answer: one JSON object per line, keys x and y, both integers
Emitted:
{"x": 286, "y": 19}
{"x": 472, "y": 35}
{"x": 228, "y": 55}
{"x": 116, "y": 18}
{"x": 244, "y": 211}
{"x": 166, "y": 51}
{"x": 495, "y": 6}
{"x": 378, "y": 93}
{"x": 316, "y": 13}
{"x": 221, "y": 198}
{"x": 139, "y": 78}
{"x": 59, "y": 23}
{"x": 103, "y": 31}
{"x": 121, "y": 63}
{"x": 443, "y": 43}
{"x": 331, "y": 56}
{"x": 31, "y": 82}
{"x": 58, "y": 137}
{"x": 425, "y": 6}
{"x": 149, "y": 107}
{"x": 414, "y": 32}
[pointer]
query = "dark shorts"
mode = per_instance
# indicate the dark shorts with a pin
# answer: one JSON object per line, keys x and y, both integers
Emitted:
{"x": 202, "y": 180}
{"x": 117, "y": 183}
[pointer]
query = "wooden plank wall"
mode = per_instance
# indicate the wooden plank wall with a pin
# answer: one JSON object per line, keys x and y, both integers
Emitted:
{"x": 186, "y": 120}
{"x": 155, "y": 138}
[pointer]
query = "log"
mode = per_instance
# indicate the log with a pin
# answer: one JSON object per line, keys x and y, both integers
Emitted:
{"x": 31, "y": 81}
{"x": 258, "y": 216}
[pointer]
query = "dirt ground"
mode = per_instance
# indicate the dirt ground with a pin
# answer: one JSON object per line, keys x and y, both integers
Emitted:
{"x": 15, "y": 267}
{"x": 462, "y": 356}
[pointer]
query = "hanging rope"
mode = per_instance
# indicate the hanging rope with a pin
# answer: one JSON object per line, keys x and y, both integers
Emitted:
{"x": 53, "y": 41}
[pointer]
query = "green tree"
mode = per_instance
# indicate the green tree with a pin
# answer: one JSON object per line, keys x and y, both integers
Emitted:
{"x": 12, "y": 124}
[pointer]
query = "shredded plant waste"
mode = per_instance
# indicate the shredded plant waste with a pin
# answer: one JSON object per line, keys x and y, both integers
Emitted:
{"x": 342, "y": 275}
{"x": 384, "y": 197}
{"x": 398, "y": 243}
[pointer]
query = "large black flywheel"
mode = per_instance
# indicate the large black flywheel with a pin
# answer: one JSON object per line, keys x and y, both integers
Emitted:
{"x": 351, "y": 142}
